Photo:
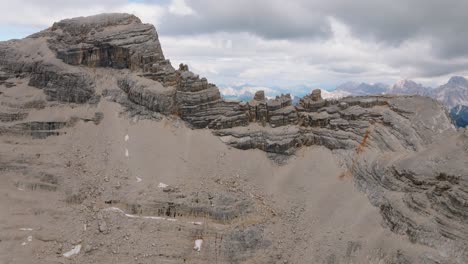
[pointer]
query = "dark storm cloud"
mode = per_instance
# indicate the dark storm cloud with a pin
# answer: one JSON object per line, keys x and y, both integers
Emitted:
{"x": 444, "y": 23}
{"x": 269, "y": 19}
{"x": 348, "y": 69}
{"x": 394, "y": 22}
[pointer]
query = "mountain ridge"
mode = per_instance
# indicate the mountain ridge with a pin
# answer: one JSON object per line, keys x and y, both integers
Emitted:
{"x": 133, "y": 159}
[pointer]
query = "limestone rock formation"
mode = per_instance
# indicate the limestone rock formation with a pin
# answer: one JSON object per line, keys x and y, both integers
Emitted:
{"x": 402, "y": 151}
{"x": 149, "y": 93}
{"x": 111, "y": 40}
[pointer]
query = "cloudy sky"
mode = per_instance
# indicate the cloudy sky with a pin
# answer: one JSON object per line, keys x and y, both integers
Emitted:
{"x": 288, "y": 44}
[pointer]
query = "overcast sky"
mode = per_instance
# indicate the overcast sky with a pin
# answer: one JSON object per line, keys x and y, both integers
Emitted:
{"x": 285, "y": 43}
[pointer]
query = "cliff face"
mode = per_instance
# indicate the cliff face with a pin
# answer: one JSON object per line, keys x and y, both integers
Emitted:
{"x": 402, "y": 151}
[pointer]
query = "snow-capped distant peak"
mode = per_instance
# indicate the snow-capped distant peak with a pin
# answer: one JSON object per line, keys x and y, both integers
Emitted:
{"x": 333, "y": 94}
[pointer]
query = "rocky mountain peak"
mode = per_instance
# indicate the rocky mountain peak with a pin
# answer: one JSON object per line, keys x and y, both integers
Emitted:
{"x": 96, "y": 22}
{"x": 405, "y": 83}
{"x": 363, "y": 88}
{"x": 406, "y": 86}
{"x": 458, "y": 81}
{"x": 106, "y": 40}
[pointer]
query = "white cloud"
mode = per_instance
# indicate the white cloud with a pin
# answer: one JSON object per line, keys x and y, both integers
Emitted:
{"x": 45, "y": 13}
{"x": 179, "y": 7}
{"x": 273, "y": 51}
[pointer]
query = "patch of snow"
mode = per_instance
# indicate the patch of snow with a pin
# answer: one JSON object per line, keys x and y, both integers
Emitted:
{"x": 20, "y": 189}
{"x": 24, "y": 244}
{"x": 75, "y": 250}
{"x": 138, "y": 179}
{"x": 26, "y": 229}
{"x": 126, "y": 138}
{"x": 162, "y": 185}
{"x": 126, "y": 152}
{"x": 145, "y": 217}
{"x": 29, "y": 238}
{"x": 118, "y": 210}
{"x": 198, "y": 244}
{"x": 114, "y": 209}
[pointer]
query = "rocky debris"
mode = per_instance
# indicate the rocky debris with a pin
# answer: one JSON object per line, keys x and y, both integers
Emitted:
{"x": 241, "y": 244}
{"x": 102, "y": 224}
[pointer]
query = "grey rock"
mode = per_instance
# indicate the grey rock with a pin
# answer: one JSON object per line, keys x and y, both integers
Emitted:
{"x": 106, "y": 40}
{"x": 316, "y": 95}
{"x": 259, "y": 96}
{"x": 402, "y": 151}
{"x": 102, "y": 226}
{"x": 149, "y": 93}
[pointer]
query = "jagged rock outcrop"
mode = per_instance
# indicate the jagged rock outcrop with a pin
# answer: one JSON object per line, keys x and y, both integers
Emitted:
{"x": 277, "y": 112}
{"x": 344, "y": 124}
{"x": 149, "y": 93}
{"x": 109, "y": 40}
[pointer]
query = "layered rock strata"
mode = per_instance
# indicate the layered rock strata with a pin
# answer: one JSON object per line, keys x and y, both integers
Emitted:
{"x": 402, "y": 150}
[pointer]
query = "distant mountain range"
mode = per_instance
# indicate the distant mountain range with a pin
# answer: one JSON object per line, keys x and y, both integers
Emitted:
{"x": 453, "y": 94}
{"x": 459, "y": 115}
{"x": 354, "y": 88}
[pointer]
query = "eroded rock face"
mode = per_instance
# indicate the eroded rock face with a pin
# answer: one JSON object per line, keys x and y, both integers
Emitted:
{"x": 402, "y": 150}
{"x": 31, "y": 59}
{"x": 149, "y": 93}
{"x": 108, "y": 40}
{"x": 429, "y": 184}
